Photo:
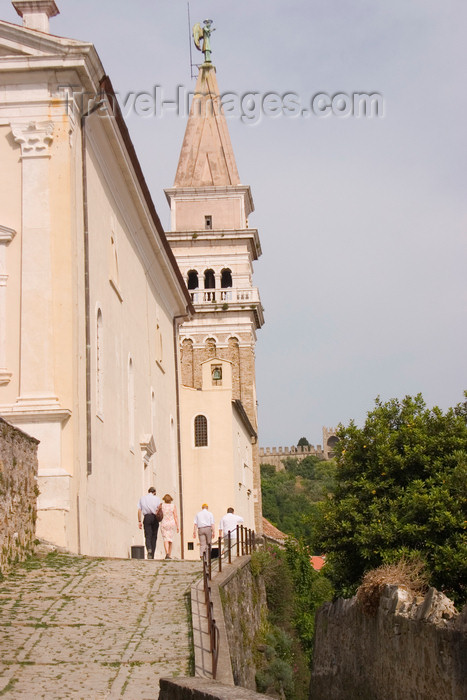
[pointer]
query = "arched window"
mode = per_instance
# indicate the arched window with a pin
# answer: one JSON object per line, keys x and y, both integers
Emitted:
{"x": 201, "y": 431}
{"x": 210, "y": 348}
{"x": 114, "y": 274}
{"x": 226, "y": 278}
{"x": 100, "y": 364}
{"x": 131, "y": 403}
{"x": 186, "y": 362}
{"x": 209, "y": 279}
{"x": 153, "y": 412}
{"x": 173, "y": 451}
{"x": 192, "y": 280}
{"x": 233, "y": 354}
{"x": 331, "y": 444}
{"x": 159, "y": 344}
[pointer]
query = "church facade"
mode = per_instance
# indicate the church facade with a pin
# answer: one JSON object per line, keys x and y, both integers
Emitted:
{"x": 91, "y": 295}
{"x": 128, "y": 352}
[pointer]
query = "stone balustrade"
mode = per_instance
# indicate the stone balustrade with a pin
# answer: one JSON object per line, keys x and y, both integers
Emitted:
{"x": 230, "y": 295}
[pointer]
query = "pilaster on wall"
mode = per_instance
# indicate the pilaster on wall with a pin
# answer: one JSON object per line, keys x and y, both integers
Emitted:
{"x": 36, "y": 376}
{"x": 6, "y": 236}
{"x": 37, "y": 409}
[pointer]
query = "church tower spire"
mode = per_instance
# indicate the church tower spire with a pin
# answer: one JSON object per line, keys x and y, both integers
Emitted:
{"x": 207, "y": 156}
{"x": 215, "y": 249}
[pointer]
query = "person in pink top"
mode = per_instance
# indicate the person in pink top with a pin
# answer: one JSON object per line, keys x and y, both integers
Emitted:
{"x": 168, "y": 524}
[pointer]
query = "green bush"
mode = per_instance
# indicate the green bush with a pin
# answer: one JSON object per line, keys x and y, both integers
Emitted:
{"x": 401, "y": 492}
{"x": 294, "y": 591}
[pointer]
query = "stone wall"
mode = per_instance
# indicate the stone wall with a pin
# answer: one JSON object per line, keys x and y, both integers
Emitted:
{"x": 244, "y": 604}
{"x": 18, "y": 495}
{"x": 413, "y": 649}
{"x": 204, "y": 689}
{"x": 275, "y": 455}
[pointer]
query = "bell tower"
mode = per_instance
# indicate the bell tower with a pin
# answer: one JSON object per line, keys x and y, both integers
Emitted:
{"x": 215, "y": 250}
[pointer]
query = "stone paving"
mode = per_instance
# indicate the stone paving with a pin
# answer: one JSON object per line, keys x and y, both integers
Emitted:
{"x": 76, "y": 627}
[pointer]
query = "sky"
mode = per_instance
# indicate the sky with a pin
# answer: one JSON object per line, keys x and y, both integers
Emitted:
{"x": 363, "y": 221}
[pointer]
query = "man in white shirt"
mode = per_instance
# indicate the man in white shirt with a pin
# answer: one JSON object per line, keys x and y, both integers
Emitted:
{"x": 204, "y": 524}
{"x": 229, "y": 524}
{"x": 147, "y": 506}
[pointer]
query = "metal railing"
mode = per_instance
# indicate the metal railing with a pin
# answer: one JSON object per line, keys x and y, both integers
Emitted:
{"x": 213, "y": 630}
{"x": 243, "y": 544}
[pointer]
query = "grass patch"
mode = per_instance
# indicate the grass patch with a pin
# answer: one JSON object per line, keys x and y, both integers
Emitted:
{"x": 191, "y": 646}
{"x": 9, "y": 686}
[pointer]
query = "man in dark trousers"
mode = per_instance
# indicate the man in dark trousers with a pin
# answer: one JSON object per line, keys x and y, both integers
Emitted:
{"x": 147, "y": 507}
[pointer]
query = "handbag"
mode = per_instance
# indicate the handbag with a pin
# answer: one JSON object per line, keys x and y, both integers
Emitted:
{"x": 159, "y": 513}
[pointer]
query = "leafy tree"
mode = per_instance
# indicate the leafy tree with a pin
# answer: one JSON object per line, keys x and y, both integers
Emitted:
{"x": 401, "y": 491}
{"x": 303, "y": 442}
{"x": 290, "y": 496}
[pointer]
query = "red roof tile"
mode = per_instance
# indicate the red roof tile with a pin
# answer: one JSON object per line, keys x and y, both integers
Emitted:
{"x": 270, "y": 531}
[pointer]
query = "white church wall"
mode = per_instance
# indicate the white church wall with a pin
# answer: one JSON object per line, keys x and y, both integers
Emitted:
{"x": 243, "y": 467}
{"x": 134, "y": 382}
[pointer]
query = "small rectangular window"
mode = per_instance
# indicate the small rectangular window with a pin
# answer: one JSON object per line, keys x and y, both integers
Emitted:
{"x": 190, "y": 546}
{"x": 208, "y": 222}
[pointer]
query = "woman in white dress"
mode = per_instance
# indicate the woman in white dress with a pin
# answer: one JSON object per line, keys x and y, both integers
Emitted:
{"x": 168, "y": 524}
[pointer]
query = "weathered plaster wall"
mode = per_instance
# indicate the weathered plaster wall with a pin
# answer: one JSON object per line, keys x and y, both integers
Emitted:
{"x": 413, "y": 649}
{"x": 244, "y": 602}
{"x": 18, "y": 495}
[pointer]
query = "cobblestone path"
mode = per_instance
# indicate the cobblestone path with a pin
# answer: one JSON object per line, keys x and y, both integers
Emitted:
{"x": 76, "y": 627}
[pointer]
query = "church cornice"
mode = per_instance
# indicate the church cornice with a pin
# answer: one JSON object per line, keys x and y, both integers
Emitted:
{"x": 224, "y": 310}
{"x": 212, "y": 192}
{"x": 202, "y": 236}
{"x": 28, "y": 50}
{"x": 41, "y": 42}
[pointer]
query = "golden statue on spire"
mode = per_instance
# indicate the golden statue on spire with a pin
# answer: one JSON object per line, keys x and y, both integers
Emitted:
{"x": 204, "y": 34}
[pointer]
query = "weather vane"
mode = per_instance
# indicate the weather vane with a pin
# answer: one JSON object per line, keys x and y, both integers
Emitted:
{"x": 204, "y": 34}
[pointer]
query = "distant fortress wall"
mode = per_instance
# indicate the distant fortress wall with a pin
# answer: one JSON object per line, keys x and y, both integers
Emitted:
{"x": 275, "y": 455}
